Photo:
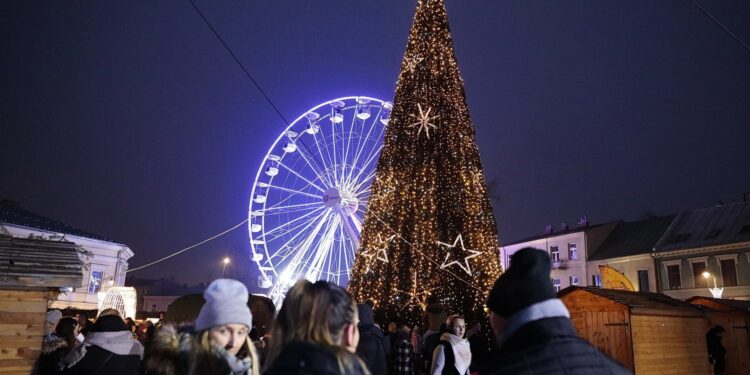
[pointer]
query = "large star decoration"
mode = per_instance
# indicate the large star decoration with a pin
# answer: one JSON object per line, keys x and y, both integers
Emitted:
{"x": 416, "y": 297}
{"x": 380, "y": 253}
{"x": 411, "y": 62}
{"x": 423, "y": 120}
{"x": 476, "y": 178}
{"x": 464, "y": 264}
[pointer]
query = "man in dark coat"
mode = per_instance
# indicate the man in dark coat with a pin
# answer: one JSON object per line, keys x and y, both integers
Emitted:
{"x": 108, "y": 349}
{"x": 371, "y": 345}
{"x": 716, "y": 351}
{"x": 533, "y": 327}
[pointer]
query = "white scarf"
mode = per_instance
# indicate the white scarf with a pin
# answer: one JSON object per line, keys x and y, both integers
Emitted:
{"x": 461, "y": 351}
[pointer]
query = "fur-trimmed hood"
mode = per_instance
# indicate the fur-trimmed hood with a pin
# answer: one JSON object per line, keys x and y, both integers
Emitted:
{"x": 178, "y": 350}
{"x": 52, "y": 342}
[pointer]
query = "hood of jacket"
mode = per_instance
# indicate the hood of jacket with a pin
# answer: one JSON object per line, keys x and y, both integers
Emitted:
{"x": 52, "y": 342}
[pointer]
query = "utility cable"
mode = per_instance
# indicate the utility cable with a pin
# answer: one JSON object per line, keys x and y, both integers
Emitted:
{"x": 237, "y": 60}
{"x": 726, "y": 29}
{"x": 189, "y": 247}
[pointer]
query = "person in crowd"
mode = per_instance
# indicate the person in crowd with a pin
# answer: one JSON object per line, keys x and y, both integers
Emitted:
{"x": 453, "y": 353}
{"x": 533, "y": 327}
{"x": 218, "y": 342}
{"x": 109, "y": 311}
{"x": 83, "y": 325}
{"x": 108, "y": 349}
{"x": 53, "y": 316}
{"x": 371, "y": 345}
{"x": 417, "y": 344}
{"x": 57, "y": 346}
{"x": 315, "y": 332}
{"x": 716, "y": 350}
{"x": 132, "y": 326}
{"x": 435, "y": 316}
{"x": 480, "y": 347}
{"x": 161, "y": 321}
{"x": 403, "y": 353}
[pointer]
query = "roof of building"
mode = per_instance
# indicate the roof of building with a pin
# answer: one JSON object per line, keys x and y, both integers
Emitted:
{"x": 634, "y": 299}
{"x": 724, "y": 224}
{"x": 731, "y": 304}
{"x": 39, "y": 263}
{"x": 554, "y": 234}
{"x": 12, "y": 213}
{"x": 633, "y": 238}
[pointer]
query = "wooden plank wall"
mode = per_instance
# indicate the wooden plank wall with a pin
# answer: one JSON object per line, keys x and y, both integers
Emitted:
{"x": 603, "y": 323}
{"x": 670, "y": 344}
{"x": 22, "y": 320}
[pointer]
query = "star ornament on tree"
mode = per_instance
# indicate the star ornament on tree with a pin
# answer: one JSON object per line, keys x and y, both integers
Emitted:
{"x": 380, "y": 253}
{"x": 411, "y": 62}
{"x": 416, "y": 297}
{"x": 424, "y": 121}
{"x": 463, "y": 263}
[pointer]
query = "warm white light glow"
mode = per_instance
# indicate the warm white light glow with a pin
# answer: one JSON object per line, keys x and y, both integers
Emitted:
{"x": 706, "y": 274}
{"x": 226, "y": 260}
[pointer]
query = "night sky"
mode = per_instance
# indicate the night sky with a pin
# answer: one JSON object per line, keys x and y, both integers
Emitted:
{"x": 130, "y": 120}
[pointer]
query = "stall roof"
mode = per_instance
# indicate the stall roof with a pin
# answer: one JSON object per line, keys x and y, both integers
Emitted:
{"x": 39, "y": 263}
{"x": 636, "y": 301}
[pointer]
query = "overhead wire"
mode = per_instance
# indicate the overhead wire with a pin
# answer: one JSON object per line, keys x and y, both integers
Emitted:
{"x": 716, "y": 21}
{"x": 268, "y": 100}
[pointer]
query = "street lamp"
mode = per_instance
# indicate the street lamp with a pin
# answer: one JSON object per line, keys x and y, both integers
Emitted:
{"x": 226, "y": 262}
{"x": 715, "y": 291}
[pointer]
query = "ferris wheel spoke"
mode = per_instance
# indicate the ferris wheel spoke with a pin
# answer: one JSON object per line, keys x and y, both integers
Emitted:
{"x": 363, "y": 141}
{"x": 293, "y": 229}
{"x": 288, "y": 223}
{"x": 329, "y": 168}
{"x": 309, "y": 159}
{"x": 302, "y": 177}
{"x": 295, "y": 249}
{"x": 294, "y": 191}
{"x": 367, "y": 163}
{"x": 294, "y": 207}
{"x": 317, "y": 258}
{"x": 364, "y": 181}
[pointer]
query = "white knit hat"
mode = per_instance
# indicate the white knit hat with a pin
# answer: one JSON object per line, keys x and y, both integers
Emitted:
{"x": 226, "y": 303}
{"x": 54, "y": 316}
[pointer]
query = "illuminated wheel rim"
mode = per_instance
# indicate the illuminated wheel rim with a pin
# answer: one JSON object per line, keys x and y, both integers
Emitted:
{"x": 311, "y": 192}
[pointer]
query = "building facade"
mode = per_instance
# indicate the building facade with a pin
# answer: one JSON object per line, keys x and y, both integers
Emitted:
{"x": 706, "y": 249}
{"x": 105, "y": 262}
{"x": 568, "y": 250}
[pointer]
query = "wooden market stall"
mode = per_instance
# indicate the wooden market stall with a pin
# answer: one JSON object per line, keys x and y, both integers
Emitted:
{"x": 649, "y": 333}
{"x": 31, "y": 274}
{"x": 734, "y": 316}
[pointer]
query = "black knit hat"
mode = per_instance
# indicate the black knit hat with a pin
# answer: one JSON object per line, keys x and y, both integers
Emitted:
{"x": 524, "y": 283}
{"x": 109, "y": 323}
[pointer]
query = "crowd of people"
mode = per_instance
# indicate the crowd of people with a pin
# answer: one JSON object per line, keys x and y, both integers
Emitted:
{"x": 319, "y": 329}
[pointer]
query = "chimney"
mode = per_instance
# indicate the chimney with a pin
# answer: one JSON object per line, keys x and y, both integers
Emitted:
{"x": 563, "y": 226}
{"x": 548, "y": 229}
{"x": 584, "y": 221}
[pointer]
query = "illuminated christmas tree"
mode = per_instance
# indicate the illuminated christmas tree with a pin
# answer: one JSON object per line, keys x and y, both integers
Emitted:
{"x": 429, "y": 231}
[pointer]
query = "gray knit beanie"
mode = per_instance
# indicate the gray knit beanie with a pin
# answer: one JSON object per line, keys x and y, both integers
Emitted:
{"x": 226, "y": 303}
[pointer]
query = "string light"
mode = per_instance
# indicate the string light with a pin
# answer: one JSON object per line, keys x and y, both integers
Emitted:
{"x": 429, "y": 191}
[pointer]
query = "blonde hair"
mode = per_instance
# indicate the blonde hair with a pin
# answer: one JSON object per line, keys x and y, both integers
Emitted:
{"x": 315, "y": 313}
{"x": 247, "y": 350}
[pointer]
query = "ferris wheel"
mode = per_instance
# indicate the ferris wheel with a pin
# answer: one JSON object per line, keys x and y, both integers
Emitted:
{"x": 311, "y": 192}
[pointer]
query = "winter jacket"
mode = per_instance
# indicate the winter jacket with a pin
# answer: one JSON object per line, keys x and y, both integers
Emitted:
{"x": 302, "y": 358}
{"x": 178, "y": 351}
{"x": 110, "y": 353}
{"x": 371, "y": 349}
{"x": 549, "y": 346}
{"x": 54, "y": 349}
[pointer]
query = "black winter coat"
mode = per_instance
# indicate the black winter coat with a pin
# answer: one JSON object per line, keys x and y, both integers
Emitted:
{"x": 550, "y": 346}
{"x": 103, "y": 362}
{"x": 372, "y": 349}
{"x": 301, "y": 358}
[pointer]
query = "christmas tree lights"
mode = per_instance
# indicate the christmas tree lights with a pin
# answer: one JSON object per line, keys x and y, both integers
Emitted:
{"x": 429, "y": 214}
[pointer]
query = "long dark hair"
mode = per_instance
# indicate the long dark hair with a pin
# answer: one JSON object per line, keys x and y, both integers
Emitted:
{"x": 66, "y": 330}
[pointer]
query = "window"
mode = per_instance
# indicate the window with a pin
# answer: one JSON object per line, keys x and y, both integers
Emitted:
{"x": 572, "y": 251}
{"x": 574, "y": 280}
{"x": 698, "y": 269}
{"x": 643, "y": 281}
{"x": 729, "y": 272}
{"x": 673, "y": 276}
{"x": 556, "y": 284}
{"x": 95, "y": 281}
{"x": 153, "y": 308}
{"x": 554, "y": 253}
{"x": 596, "y": 280}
